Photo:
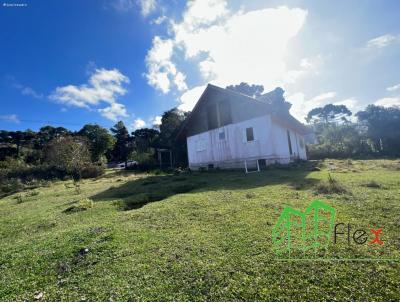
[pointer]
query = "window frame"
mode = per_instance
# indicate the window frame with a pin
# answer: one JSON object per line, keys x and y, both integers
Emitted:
{"x": 222, "y": 131}
{"x": 252, "y": 134}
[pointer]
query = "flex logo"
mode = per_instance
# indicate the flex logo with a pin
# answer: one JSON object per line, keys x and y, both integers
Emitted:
{"x": 358, "y": 236}
{"x": 296, "y": 232}
{"x": 376, "y": 239}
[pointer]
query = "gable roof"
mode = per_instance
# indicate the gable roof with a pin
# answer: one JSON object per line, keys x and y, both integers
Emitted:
{"x": 258, "y": 106}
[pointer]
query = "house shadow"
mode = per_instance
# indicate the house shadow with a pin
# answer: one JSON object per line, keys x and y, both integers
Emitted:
{"x": 139, "y": 192}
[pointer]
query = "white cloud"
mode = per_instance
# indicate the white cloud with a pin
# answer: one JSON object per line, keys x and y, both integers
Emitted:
{"x": 138, "y": 124}
{"x": 190, "y": 98}
{"x": 225, "y": 47}
{"x": 104, "y": 86}
{"x": 353, "y": 105}
{"x": 114, "y": 112}
{"x": 200, "y": 13}
{"x": 159, "y": 20}
{"x": 162, "y": 72}
{"x": 382, "y": 41}
{"x": 301, "y": 106}
{"x": 147, "y": 6}
{"x": 26, "y": 90}
{"x": 12, "y": 118}
{"x": 393, "y": 88}
{"x": 122, "y": 5}
{"x": 321, "y": 98}
{"x": 306, "y": 66}
{"x": 156, "y": 121}
{"x": 388, "y": 102}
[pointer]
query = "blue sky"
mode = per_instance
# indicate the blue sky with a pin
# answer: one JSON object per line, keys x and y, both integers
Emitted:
{"x": 73, "y": 62}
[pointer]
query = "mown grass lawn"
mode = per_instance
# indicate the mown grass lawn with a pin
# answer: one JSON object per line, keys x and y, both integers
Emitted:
{"x": 198, "y": 236}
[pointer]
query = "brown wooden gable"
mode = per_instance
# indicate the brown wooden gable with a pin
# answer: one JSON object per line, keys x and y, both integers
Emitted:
{"x": 218, "y": 107}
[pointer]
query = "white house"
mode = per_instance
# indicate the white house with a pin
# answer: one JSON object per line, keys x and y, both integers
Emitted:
{"x": 227, "y": 129}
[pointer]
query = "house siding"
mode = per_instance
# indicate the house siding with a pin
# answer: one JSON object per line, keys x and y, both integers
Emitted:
{"x": 270, "y": 143}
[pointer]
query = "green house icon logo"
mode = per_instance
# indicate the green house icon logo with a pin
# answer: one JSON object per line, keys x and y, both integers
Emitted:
{"x": 297, "y": 233}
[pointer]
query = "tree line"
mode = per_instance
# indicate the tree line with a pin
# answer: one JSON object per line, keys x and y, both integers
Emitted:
{"x": 99, "y": 144}
{"x": 56, "y": 152}
{"x": 340, "y": 133}
{"x": 374, "y": 131}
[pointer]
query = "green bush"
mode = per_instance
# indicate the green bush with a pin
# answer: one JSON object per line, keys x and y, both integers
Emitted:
{"x": 146, "y": 161}
{"x": 92, "y": 171}
{"x": 45, "y": 172}
{"x": 11, "y": 186}
{"x": 11, "y": 164}
{"x": 83, "y": 204}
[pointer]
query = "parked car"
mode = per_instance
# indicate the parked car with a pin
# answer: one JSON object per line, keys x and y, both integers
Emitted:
{"x": 122, "y": 165}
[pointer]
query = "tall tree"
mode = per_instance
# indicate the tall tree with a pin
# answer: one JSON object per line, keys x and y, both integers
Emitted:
{"x": 17, "y": 139}
{"x": 48, "y": 133}
{"x": 100, "y": 140}
{"x": 383, "y": 128}
{"x": 145, "y": 139}
{"x": 123, "y": 144}
{"x": 68, "y": 153}
{"x": 171, "y": 122}
{"x": 328, "y": 114}
{"x": 276, "y": 99}
{"x": 251, "y": 90}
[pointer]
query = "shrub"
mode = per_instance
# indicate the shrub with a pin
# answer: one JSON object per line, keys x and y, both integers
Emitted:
{"x": 82, "y": 205}
{"x": 19, "y": 198}
{"x": 250, "y": 195}
{"x": 68, "y": 153}
{"x": 11, "y": 164}
{"x": 92, "y": 171}
{"x": 38, "y": 172}
{"x": 77, "y": 187}
{"x": 332, "y": 186}
{"x": 32, "y": 193}
{"x": 11, "y": 186}
{"x": 12, "y": 180}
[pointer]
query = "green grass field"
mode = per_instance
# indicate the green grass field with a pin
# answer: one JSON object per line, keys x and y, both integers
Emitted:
{"x": 198, "y": 236}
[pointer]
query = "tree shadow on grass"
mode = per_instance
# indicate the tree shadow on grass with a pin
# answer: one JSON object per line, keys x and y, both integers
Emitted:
{"x": 139, "y": 192}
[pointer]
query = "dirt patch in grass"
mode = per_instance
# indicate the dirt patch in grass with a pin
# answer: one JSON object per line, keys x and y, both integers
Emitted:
{"x": 250, "y": 195}
{"x": 139, "y": 200}
{"x": 303, "y": 184}
{"x": 45, "y": 226}
{"x": 82, "y": 205}
{"x": 372, "y": 184}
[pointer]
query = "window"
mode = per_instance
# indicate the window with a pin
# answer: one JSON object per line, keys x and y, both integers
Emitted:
{"x": 289, "y": 143}
{"x": 221, "y": 134}
{"x": 249, "y": 134}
